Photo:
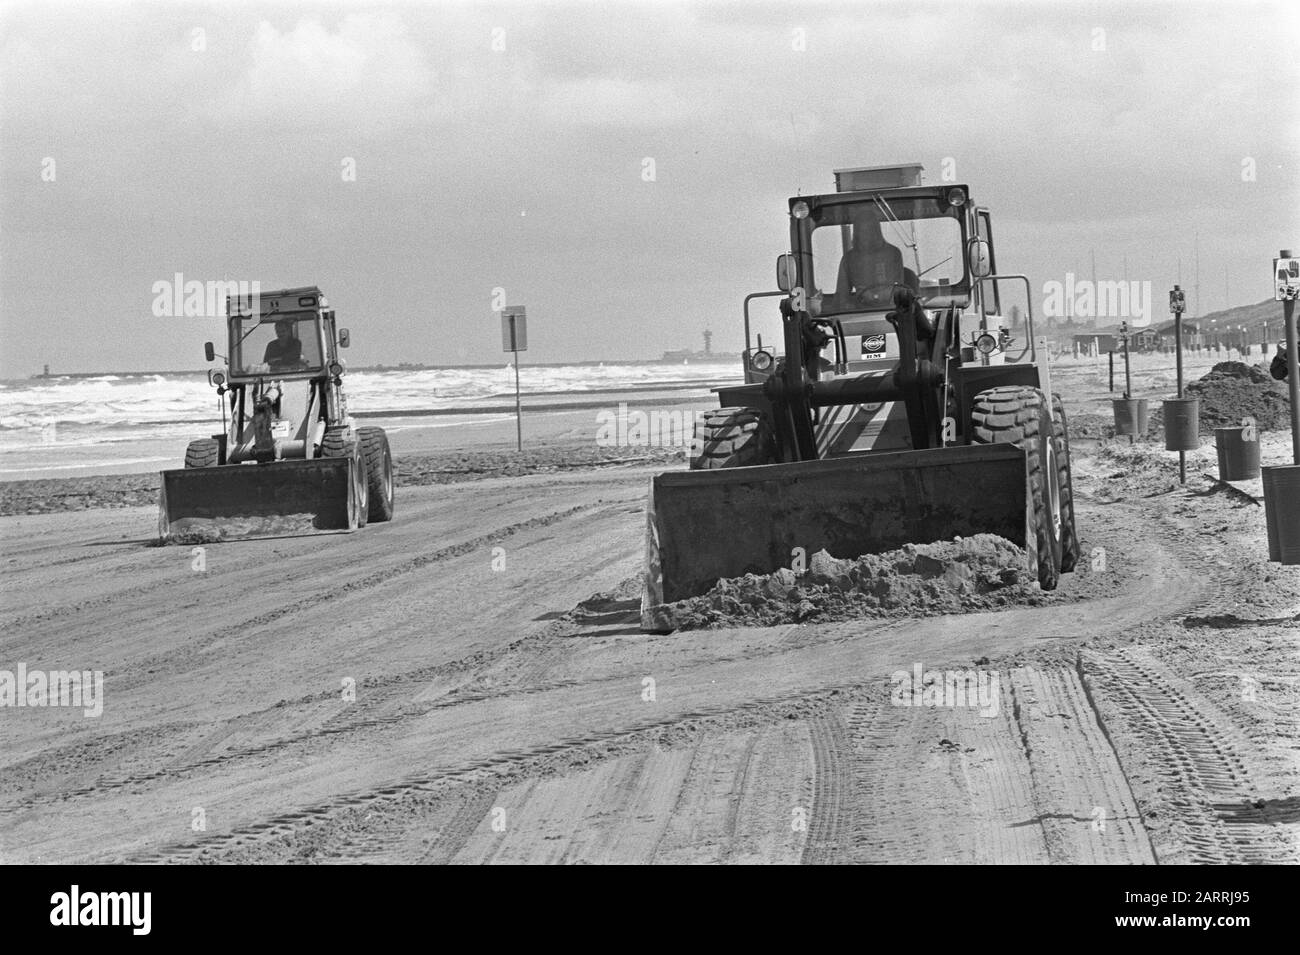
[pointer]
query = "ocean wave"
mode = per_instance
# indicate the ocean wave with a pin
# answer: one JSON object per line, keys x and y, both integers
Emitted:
{"x": 112, "y": 408}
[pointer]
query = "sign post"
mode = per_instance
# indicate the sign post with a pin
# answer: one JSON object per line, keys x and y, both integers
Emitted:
{"x": 1128, "y": 375}
{"x": 514, "y": 339}
{"x": 1177, "y": 305}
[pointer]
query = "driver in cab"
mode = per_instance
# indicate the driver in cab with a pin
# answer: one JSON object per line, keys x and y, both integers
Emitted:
{"x": 871, "y": 267}
{"x": 285, "y": 352}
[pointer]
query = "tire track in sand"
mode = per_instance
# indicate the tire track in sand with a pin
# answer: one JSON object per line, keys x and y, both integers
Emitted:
{"x": 971, "y": 783}
{"x": 1197, "y": 792}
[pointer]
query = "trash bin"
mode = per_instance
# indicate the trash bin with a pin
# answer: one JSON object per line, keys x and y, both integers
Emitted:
{"x": 1282, "y": 512}
{"x": 1182, "y": 424}
{"x": 1131, "y": 416}
{"x": 1238, "y": 456}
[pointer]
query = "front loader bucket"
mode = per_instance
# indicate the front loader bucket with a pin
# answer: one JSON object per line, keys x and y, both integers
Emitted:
{"x": 242, "y": 501}
{"x": 707, "y": 525}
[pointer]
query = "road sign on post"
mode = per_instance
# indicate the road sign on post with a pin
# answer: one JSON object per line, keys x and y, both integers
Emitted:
{"x": 514, "y": 328}
{"x": 1178, "y": 305}
{"x": 514, "y": 339}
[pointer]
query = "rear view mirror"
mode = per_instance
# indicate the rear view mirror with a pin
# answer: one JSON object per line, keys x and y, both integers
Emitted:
{"x": 208, "y": 352}
{"x": 977, "y": 251}
{"x": 785, "y": 272}
{"x": 344, "y": 338}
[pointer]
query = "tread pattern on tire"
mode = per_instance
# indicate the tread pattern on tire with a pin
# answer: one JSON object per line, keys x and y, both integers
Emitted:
{"x": 202, "y": 453}
{"x": 1018, "y": 415}
{"x": 342, "y": 442}
{"x": 379, "y": 459}
{"x": 1071, "y": 550}
{"x": 732, "y": 438}
{"x": 337, "y": 443}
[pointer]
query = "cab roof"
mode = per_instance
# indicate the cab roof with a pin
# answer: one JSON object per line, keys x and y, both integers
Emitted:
{"x": 265, "y": 304}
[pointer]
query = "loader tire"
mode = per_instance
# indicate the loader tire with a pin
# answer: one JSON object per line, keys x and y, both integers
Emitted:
{"x": 1070, "y": 547}
{"x": 343, "y": 443}
{"x": 333, "y": 444}
{"x": 202, "y": 453}
{"x": 1018, "y": 415}
{"x": 732, "y": 438}
{"x": 379, "y": 472}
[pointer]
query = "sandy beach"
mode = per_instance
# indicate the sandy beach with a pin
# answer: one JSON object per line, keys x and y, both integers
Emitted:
{"x": 468, "y": 683}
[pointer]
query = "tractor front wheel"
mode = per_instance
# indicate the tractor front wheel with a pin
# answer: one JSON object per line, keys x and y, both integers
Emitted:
{"x": 732, "y": 438}
{"x": 343, "y": 443}
{"x": 1018, "y": 415}
{"x": 1070, "y": 547}
{"x": 379, "y": 472}
{"x": 203, "y": 453}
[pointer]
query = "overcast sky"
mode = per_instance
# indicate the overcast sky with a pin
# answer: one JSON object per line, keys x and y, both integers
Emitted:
{"x": 501, "y": 145}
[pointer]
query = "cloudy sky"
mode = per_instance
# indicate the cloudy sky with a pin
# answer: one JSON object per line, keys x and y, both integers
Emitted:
{"x": 620, "y": 169}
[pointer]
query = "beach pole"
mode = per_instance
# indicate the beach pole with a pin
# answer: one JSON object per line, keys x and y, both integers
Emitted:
{"x": 514, "y": 339}
{"x": 519, "y": 412}
{"x": 1177, "y": 304}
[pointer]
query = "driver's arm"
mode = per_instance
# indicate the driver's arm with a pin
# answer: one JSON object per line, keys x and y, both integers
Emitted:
{"x": 842, "y": 295}
{"x": 842, "y": 285}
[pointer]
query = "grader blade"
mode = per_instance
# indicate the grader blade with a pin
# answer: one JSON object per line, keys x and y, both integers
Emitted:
{"x": 244, "y": 501}
{"x": 706, "y": 525}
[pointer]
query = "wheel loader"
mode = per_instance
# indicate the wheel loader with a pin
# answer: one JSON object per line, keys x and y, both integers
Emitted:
{"x": 896, "y": 410}
{"x": 289, "y": 459}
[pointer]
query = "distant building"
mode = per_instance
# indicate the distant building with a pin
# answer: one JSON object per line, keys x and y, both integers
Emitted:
{"x": 1108, "y": 340}
{"x": 1097, "y": 344}
{"x": 686, "y": 356}
{"x": 1145, "y": 339}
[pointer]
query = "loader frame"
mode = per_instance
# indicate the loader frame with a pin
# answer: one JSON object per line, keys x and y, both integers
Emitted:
{"x": 797, "y": 388}
{"x": 274, "y": 470}
{"x": 800, "y": 495}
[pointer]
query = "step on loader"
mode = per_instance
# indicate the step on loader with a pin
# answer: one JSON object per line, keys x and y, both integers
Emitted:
{"x": 290, "y": 459}
{"x": 896, "y": 411}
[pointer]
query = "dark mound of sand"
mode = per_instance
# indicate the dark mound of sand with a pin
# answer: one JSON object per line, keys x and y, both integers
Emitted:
{"x": 984, "y": 572}
{"x": 1239, "y": 370}
{"x": 1232, "y": 391}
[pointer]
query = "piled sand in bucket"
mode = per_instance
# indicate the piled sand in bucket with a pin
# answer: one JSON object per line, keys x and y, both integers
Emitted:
{"x": 984, "y": 572}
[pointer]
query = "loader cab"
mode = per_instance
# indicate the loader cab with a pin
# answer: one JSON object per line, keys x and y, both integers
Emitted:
{"x": 853, "y": 249}
{"x": 284, "y": 335}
